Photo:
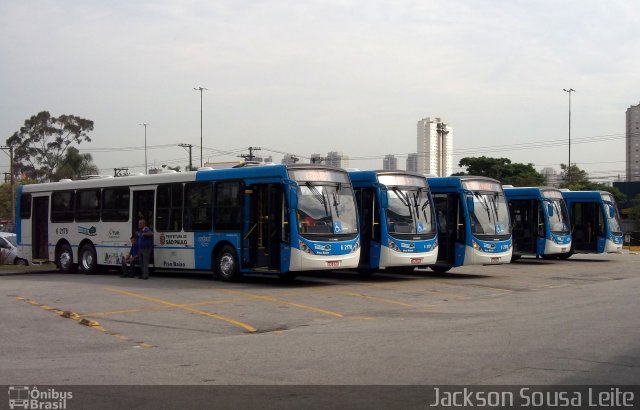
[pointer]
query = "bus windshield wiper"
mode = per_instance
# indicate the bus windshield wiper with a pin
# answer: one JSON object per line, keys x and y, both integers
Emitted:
{"x": 319, "y": 196}
{"x": 403, "y": 197}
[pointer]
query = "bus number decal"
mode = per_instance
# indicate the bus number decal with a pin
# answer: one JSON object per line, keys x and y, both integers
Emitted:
{"x": 62, "y": 231}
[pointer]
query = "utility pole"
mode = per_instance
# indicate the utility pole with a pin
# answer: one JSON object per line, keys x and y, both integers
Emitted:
{"x": 13, "y": 201}
{"x": 570, "y": 90}
{"x": 188, "y": 146}
{"x": 146, "y": 169}
{"x": 201, "y": 89}
{"x": 250, "y": 157}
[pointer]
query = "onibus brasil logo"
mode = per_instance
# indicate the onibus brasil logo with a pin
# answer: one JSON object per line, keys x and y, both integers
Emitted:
{"x": 25, "y": 397}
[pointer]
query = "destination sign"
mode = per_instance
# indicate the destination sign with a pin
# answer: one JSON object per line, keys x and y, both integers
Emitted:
{"x": 402, "y": 180}
{"x": 552, "y": 194}
{"x": 481, "y": 185}
{"x": 319, "y": 175}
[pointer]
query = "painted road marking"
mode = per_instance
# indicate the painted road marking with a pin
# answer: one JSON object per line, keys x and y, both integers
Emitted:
{"x": 242, "y": 325}
{"x": 80, "y": 319}
{"x": 279, "y": 301}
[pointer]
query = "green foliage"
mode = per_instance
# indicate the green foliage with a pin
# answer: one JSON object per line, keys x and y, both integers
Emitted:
{"x": 577, "y": 179}
{"x": 40, "y": 145}
{"x": 503, "y": 170}
{"x": 572, "y": 176}
{"x": 75, "y": 165}
{"x": 5, "y": 201}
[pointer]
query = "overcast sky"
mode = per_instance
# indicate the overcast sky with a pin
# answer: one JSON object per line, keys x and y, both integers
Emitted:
{"x": 309, "y": 77}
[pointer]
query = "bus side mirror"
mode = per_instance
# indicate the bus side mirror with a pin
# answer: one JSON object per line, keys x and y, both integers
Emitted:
{"x": 550, "y": 209}
{"x": 384, "y": 198}
{"x": 293, "y": 195}
{"x": 612, "y": 211}
{"x": 470, "y": 205}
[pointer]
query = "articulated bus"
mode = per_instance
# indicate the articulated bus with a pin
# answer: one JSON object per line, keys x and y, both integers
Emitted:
{"x": 595, "y": 223}
{"x": 540, "y": 222}
{"x": 473, "y": 222}
{"x": 270, "y": 219}
{"x": 397, "y": 220}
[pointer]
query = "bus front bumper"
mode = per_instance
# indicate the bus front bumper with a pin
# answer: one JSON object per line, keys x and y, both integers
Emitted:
{"x": 301, "y": 261}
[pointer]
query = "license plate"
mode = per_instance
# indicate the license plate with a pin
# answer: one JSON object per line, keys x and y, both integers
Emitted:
{"x": 563, "y": 249}
{"x": 416, "y": 261}
{"x": 495, "y": 260}
{"x": 333, "y": 264}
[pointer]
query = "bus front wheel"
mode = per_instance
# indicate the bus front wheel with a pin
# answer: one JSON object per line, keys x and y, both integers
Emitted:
{"x": 227, "y": 264}
{"x": 64, "y": 260}
{"x": 87, "y": 259}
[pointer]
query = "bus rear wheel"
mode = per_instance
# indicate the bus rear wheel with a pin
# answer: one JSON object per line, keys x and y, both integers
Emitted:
{"x": 440, "y": 269}
{"x": 88, "y": 260}
{"x": 226, "y": 267}
{"x": 64, "y": 259}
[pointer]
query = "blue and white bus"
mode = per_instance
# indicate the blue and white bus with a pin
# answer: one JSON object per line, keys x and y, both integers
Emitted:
{"x": 540, "y": 221}
{"x": 270, "y": 219}
{"x": 595, "y": 222}
{"x": 397, "y": 220}
{"x": 473, "y": 222}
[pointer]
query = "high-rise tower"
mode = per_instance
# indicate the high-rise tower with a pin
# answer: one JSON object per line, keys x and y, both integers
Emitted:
{"x": 435, "y": 147}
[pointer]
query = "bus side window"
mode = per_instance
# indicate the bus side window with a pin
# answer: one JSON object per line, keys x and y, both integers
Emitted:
{"x": 88, "y": 205}
{"x": 25, "y": 206}
{"x": 227, "y": 206}
{"x": 62, "y": 206}
{"x": 115, "y": 204}
{"x": 197, "y": 206}
{"x": 169, "y": 207}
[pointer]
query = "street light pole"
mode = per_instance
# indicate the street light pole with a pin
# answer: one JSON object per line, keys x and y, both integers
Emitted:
{"x": 146, "y": 169}
{"x": 201, "y": 89}
{"x": 570, "y": 90}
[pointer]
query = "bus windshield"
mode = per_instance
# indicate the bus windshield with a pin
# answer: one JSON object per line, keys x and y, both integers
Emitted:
{"x": 409, "y": 212}
{"x": 491, "y": 215}
{"x": 326, "y": 209}
{"x": 558, "y": 221}
{"x": 610, "y": 208}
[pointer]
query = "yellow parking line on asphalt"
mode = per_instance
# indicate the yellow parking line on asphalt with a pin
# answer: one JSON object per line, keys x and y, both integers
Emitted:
{"x": 242, "y": 325}
{"x": 375, "y": 298}
{"x": 79, "y": 318}
{"x": 157, "y": 309}
{"x": 279, "y": 301}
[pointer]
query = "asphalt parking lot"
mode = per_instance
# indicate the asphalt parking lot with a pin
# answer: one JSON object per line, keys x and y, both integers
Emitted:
{"x": 530, "y": 322}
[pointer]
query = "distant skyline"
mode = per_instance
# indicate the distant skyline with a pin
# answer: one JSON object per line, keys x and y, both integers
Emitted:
{"x": 321, "y": 76}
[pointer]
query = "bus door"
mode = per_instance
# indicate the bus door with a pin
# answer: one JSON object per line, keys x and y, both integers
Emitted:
{"x": 266, "y": 226}
{"x": 587, "y": 223}
{"x": 525, "y": 217}
{"x": 368, "y": 220}
{"x": 143, "y": 209}
{"x": 40, "y": 228}
{"x": 450, "y": 227}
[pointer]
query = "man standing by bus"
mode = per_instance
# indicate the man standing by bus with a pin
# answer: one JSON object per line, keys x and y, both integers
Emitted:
{"x": 145, "y": 247}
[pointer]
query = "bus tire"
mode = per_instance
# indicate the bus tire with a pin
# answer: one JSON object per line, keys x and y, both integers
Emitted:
{"x": 440, "y": 269}
{"x": 87, "y": 259}
{"x": 287, "y": 276}
{"x": 226, "y": 267}
{"x": 64, "y": 259}
{"x": 403, "y": 269}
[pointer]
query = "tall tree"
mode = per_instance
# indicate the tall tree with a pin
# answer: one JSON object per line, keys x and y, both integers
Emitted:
{"x": 40, "y": 145}
{"x": 503, "y": 170}
{"x": 75, "y": 165}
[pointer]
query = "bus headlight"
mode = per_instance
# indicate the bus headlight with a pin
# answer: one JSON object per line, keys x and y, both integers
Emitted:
{"x": 304, "y": 247}
{"x": 393, "y": 246}
{"x": 475, "y": 245}
{"x": 356, "y": 246}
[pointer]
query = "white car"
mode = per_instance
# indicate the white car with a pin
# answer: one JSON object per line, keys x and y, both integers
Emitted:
{"x": 8, "y": 251}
